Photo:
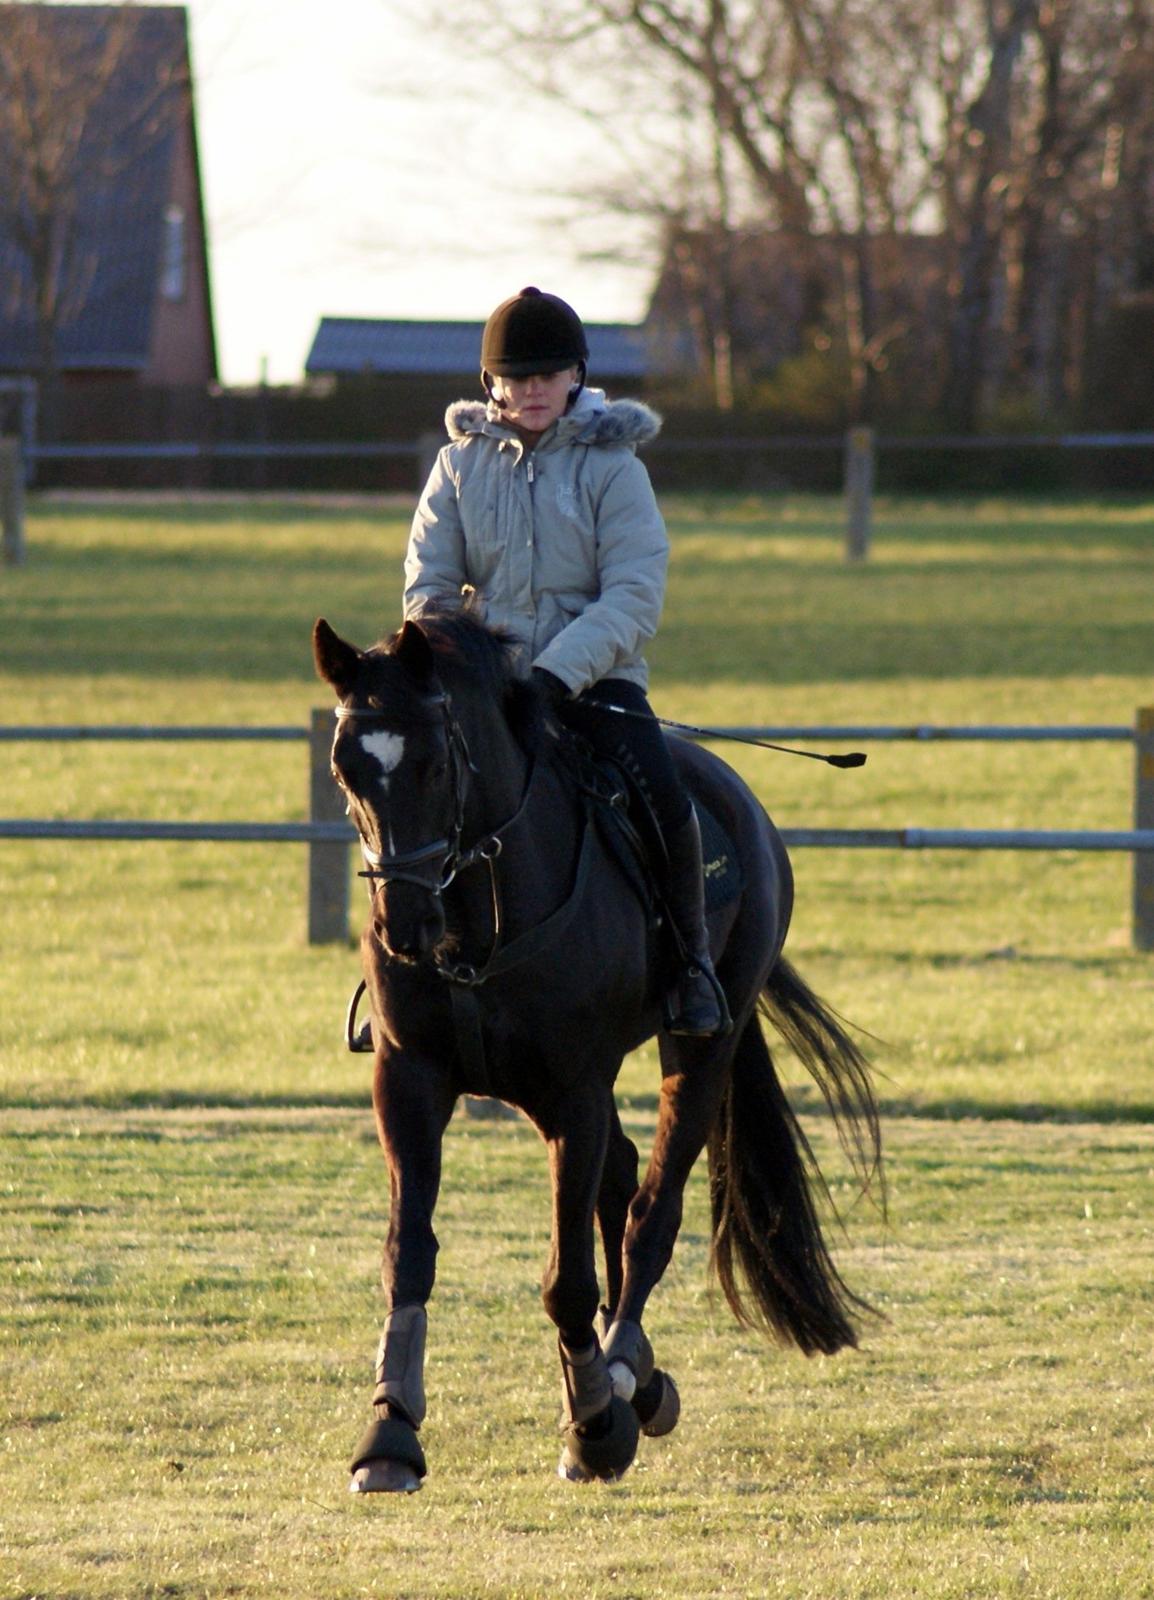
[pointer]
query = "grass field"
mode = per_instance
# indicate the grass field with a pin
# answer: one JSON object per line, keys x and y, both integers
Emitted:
{"x": 193, "y": 1202}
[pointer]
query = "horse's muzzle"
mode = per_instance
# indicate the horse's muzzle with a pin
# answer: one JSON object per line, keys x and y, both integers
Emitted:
{"x": 408, "y": 920}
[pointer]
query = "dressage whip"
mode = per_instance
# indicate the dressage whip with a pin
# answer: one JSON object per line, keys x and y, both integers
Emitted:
{"x": 853, "y": 758}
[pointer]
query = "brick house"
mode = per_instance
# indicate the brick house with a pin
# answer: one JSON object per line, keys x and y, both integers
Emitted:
{"x": 122, "y": 206}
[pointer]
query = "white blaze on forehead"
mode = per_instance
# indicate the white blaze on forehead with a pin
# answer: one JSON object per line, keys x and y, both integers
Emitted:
{"x": 387, "y": 749}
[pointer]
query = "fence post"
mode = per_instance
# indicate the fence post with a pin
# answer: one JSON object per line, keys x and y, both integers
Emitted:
{"x": 1144, "y": 818}
{"x": 859, "y": 490}
{"x": 428, "y": 448}
{"x": 328, "y": 863}
{"x": 11, "y": 502}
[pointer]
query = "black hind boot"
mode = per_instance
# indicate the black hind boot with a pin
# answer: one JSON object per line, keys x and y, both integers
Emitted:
{"x": 696, "y": 1004}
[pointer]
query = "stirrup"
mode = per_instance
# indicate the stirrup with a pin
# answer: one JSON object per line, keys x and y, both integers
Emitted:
{"x": 691, "y": 1014}
{"x": 358, "y": 1040}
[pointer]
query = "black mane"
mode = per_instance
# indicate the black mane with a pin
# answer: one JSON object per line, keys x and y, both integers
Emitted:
{"x": 481, "y": 662}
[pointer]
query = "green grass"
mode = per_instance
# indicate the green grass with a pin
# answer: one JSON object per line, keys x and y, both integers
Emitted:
{"x": 192, "y": 1314}
{"x": 193, "y": 1203}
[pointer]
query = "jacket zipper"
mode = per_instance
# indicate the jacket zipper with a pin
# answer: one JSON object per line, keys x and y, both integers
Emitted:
{"x": 530, "y": 478}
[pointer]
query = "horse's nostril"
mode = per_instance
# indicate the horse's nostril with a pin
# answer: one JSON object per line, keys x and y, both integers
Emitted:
{"x": 410, "y": 938}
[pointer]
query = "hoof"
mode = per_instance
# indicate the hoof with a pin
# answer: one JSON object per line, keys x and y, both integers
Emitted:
{"x": 658, "y": 1405}
{"x": 389, "y": 1459}
{"x": 384, "y": 1477}
{"x": 605, "y": 1456}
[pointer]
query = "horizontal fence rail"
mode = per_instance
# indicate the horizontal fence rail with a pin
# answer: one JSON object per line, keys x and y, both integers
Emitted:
{"x": 1111, "y": 732}
{"x": 971, "y": 838}
{"x": 228, "y": 450}
{"x": 354, "y": 449}
{"x": 803, "y": 838}
{"x": 185, "y": 832}
{"x": 95, "y": 733}
{"x": 329, "y": 835}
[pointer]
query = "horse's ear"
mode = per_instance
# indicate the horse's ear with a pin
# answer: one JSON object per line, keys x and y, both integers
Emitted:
{"x": 413, "y": 649}
{"x": 336, "y": 660}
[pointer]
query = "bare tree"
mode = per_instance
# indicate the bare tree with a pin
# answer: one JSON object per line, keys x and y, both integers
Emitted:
{"x": 1040, "y": 227}
{"x": 1073, "y": 237}
{"x": 68, "y": 140}
{"x": 802, "y": 119}
{"x": 1016, "y": 135}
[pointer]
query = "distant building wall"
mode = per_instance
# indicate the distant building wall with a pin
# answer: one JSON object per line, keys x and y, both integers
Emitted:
{"x": 183, "y": 347}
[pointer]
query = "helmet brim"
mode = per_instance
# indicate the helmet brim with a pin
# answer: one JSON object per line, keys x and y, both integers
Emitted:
{"x": 528, "y": 369}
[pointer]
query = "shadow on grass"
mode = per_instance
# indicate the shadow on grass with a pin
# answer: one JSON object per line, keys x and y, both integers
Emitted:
{"x": 256, "y": 638}
{"x": 241, "y": 604}
{"x": 189, "y": 1100}
{"x": 950, "y": 1108}
{"x": 246, "y": 1111}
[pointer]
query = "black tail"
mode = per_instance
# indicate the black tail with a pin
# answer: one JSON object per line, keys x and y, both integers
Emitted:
{"x": 763, "y": 1174}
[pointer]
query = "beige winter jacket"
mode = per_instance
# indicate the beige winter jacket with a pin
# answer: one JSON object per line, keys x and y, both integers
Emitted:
{"x": 565, "y": 545}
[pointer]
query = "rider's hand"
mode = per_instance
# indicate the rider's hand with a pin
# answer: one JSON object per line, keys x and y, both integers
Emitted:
{"x": 554, "y": 693}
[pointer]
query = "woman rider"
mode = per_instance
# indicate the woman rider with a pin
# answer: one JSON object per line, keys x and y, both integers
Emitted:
{"x": 539, "y": 512}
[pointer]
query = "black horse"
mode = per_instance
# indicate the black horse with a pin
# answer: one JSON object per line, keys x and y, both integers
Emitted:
{"x": 513, "y": 952}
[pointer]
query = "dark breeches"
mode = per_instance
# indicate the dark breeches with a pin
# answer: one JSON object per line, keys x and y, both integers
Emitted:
{"x": 636, "y": 741}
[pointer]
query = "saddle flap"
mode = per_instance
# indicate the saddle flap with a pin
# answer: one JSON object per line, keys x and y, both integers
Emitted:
{"x": 632, "y": 826}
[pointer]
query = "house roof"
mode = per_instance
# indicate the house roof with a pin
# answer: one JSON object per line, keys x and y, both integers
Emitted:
{"x": 134, "y": 61}
{"x": 356, "y": 346}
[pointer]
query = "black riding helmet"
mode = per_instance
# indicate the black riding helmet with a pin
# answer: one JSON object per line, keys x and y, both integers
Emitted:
{"x": 532, "y": 332}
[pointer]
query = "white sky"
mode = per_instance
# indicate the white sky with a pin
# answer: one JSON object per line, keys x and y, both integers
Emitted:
{"x": 354, "y": 164}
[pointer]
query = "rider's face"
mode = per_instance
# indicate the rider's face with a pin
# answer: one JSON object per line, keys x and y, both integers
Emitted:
{"x": 536, "y": 402}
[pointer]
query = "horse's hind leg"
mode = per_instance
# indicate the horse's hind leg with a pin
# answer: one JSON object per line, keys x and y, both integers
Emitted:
{"x": 413, "y": 1103}
{"x": 694, "y": 1073}
{"x": 628, "y": 1353}
{"x": 618, "y": 1186}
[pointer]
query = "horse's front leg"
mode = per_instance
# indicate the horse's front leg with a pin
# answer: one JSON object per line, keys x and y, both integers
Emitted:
{"x": 600, "y": 1430}
{"x": 413, "y": 1101}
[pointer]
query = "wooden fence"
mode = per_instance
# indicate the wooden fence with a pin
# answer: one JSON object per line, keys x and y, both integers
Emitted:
{"x": 860, "y": 450}
{"x": 328, "y": 834}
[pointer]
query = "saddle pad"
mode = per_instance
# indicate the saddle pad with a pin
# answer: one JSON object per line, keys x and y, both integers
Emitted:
{"x": 719, "y": 861}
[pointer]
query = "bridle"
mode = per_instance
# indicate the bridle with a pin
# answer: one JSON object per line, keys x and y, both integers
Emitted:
{"x": 382, "y": 867}
{"x": 466, "y": 978}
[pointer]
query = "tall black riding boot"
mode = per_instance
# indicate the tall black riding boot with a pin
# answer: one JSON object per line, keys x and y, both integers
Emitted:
{"x": 696, "y": 1004}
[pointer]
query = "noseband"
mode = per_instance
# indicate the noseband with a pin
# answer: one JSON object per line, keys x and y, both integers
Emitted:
{"x": 384, "y": 868}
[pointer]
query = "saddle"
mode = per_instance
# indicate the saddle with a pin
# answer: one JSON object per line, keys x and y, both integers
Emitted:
{"x": 629, "y": 827}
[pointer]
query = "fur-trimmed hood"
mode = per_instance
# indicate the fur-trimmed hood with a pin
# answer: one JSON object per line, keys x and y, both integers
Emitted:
{"x": 564, "y": 545}
{"x": 592, "y": 420}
